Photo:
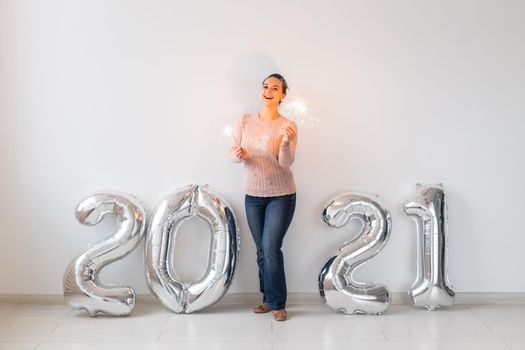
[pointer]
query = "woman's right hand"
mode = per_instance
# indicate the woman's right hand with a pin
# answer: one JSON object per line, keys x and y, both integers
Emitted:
{"x": 240, "y": 153}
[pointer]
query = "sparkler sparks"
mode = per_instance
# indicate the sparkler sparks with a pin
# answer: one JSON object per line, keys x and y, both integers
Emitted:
{"x": 298, "y": 105}
{"x": 297, "y": 109}
{"x": 227, "y": 131}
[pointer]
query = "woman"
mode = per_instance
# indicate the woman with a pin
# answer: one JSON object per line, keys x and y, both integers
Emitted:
{"x": 266, "y": 143}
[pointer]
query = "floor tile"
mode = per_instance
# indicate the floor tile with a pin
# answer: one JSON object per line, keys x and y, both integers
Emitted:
{"x": 506, "y": 335}
{"x": 158, "y": 346}
{"x": 385, "y": 345}
{"x": 237, "y": 337}
{"x": 516, "y": 345}
{"x": 18, "y": 346}
{"x": 430, "y": 324}
{"x": 33, "y": 309}
{"x": 27, "y": 320}
{"x": 83, "y": 337}
{"x": 491, "y": 309}
{"x": 412, "y": 310}
{"x": 505, "y": 322}
{"x": 233, "y": 326}
{"x": 439, "y": 335}
{"x": 327, "y": 336}
{"x": 104, "y": 327}
{"x": 225, "y": 327}
{"x": 26, "y": 328}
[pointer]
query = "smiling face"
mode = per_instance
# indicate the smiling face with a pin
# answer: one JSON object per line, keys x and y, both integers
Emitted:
{"x": 272, "y": 92}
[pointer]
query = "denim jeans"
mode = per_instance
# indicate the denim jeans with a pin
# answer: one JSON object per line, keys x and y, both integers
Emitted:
{"x": 269, "y": 219}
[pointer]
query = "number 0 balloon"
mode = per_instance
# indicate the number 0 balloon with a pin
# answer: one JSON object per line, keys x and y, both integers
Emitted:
{"x": 337, "y": 287}
{"x": 82, "y": 288}
{"x": 170, "y": 289}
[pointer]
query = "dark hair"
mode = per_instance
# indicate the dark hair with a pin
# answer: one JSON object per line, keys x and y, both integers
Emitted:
{"x": 280, "y": 78}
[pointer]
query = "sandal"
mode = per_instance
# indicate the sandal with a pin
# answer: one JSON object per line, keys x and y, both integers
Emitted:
{"x": 261, "y": 309}
{"x": 279, "y": 315}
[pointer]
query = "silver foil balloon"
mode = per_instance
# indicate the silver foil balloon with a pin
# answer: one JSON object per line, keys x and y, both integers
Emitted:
{"x": 82, "y": 287}
{"x": 174, "y": 293}
{"x": 429, "y": 210}
{"x": 337, "y": 287}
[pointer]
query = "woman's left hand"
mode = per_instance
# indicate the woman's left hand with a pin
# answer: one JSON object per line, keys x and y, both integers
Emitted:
{"x": 289, "y": 134}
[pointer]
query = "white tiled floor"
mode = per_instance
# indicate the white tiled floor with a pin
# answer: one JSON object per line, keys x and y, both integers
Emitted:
{"x": 51, "y": 326}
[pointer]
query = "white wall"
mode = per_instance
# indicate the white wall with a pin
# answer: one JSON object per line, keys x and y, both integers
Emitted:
{"x": 133, "y": 95}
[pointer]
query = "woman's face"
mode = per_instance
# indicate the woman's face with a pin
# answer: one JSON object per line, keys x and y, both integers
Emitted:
{"x": 272, "y": 92}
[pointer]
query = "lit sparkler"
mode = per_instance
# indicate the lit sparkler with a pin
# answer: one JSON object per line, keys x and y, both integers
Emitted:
{"x": 297, "y": 108}
{"x": 228, "y": 131}
{"x": 297, "y": 105}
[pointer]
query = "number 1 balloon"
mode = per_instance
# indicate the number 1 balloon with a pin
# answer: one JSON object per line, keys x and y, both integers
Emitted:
{"x": 82, "y": 288}
{"x": 174, "y": 293}
{"x": 337, "y": 286}
{"x": 429, "y": 210}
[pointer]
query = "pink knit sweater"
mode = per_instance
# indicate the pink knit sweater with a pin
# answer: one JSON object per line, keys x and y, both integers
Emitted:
{"x": 267, "y": 168}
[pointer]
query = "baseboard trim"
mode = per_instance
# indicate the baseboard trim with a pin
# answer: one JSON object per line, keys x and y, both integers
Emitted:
{"x": 293, "y": 298}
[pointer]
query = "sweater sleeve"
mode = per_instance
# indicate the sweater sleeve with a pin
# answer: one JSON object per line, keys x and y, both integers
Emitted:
{"x": 287, "y": 153}
{"x": 237, "y": 140}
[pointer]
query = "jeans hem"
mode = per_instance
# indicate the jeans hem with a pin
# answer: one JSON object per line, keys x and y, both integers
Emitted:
{"x": 273, "y": 307}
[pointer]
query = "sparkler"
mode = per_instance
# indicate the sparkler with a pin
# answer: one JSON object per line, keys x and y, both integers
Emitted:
{"x": 297, "y": 108}
{"x": 228, "y": 131}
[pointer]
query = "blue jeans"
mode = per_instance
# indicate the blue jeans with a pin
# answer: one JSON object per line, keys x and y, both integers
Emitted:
{"x": 269, "y": 219}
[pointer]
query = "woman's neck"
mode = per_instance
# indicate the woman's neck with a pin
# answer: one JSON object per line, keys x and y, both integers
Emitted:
{"x": 269, "y": 113}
